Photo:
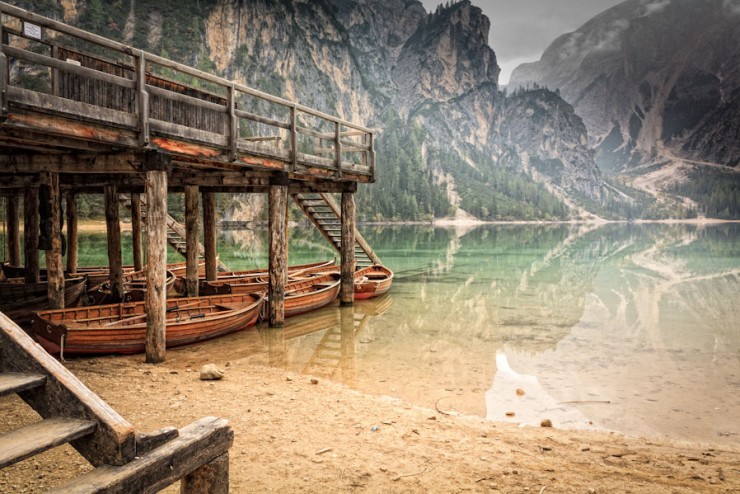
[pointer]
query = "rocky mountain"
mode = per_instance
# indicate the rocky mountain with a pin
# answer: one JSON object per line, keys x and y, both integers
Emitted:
{"x": 450, "y": 141}
{"x": 655, "y": 81}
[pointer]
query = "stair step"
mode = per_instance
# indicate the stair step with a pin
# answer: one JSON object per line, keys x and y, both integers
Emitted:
{"x": 15, "y": 383}
{"x": 33, "y": 439}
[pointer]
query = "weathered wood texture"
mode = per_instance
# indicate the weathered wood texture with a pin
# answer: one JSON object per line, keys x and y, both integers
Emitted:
{"x": 13, "y": 382}
{"x": 37, "y": 437}
{"x": 347, "y": 254}
{"x": 136, "y": 230}
{"x": 278, "y": 203}
{"x": 113, "y": 228}
{"x": 191, "y": 241}
{"x": 211, "y": 478}
{"x": 209, "y": 234}
{"x": 54, "y": 268}
{"x": 197, "y": 444}
{"x": 72, "y": 234}
{"x": 14, "y": 231}
{"x": 156, "y": 296}
{"x": 63, "y": 395}
{"x": 31, "y": 233}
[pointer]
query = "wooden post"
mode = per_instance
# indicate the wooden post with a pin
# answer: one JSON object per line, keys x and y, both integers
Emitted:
{"x": 347, "y": 254}
{"x": 209, "y": 234}
{"x": 72, "y": 237}
{"x": 211, "y": 478}
{"x": 31, "y": 234}
{"x": 14, "y": 231}
{"x": 191, "y": 241}
{"x": 156, "y": 296}
{"x": 113, "y": 227}
{"x": 136, "y": 231}
{"x": 54, "y": 269}
{"x": 278, "y": 203}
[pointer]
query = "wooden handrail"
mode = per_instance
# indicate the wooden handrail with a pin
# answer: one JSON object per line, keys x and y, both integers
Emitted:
{"x": 139, "y": 60}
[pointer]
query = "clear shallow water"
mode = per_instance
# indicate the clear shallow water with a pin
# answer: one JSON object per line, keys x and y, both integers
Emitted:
{"x": 632, "y": 328}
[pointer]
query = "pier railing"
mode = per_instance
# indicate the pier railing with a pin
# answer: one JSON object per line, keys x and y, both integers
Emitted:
{"x": 141, "y": 99}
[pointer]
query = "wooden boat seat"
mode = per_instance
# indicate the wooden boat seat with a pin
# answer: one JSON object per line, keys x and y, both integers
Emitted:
{"x": 324, "y": 285}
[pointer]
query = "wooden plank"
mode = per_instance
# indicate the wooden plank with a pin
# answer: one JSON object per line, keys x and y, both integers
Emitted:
{"x": 209, "y": 234}
{"x": 191, "y": 240}
{"x": 136, "y": 230}
{"x": 14, "y": 236}
{"x": 156, "y": 273}
{"x": 72, "y": 234}
{"x": 31, "y": 234}
{"x": 38, "y": 437}
{"x": 197, "y": 444}
{"x": 66, "y": 128}
{"x": 260, "y": 119}
{"x": 13, "y": 382}
{"x": 77, "y": 109}
{"x": 184, "y": 98}
{"x": 113, "y": 227}
{"x": 64, "y": 395}
{"x": 347, "y": 250}
{"x": 54, "y": 268}
{"x": 278, "y": 203}
{"x": 112, "y": 162}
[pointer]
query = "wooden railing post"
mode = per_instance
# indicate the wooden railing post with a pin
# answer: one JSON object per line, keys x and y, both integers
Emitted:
{"x": 211, "y": 478}
{"x": 209, "y": 234}
{"x": 293, "y": 138}
{"x": 371, "y": 152}
{"x": 338, "y": 148}
{"x": 142, "y": 99}
{"x": 233, "y": 122}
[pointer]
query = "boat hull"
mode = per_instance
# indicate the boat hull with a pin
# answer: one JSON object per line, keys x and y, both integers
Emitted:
{"x": 372, "y": 281}
{"x": 18, "y": 301}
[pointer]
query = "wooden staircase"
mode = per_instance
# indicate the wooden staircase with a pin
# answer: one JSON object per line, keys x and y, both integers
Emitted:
{"x": 125, "y": 461}
{"x": 328, "y": 355}
{"x": 326, "y": 216}
{"x": 175, "y": 232}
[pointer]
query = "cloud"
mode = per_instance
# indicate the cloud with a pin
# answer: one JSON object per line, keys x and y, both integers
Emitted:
{"x": 733, "y": 6}
{"x": 655, "y": 7}
{"x": 611, "y": 38}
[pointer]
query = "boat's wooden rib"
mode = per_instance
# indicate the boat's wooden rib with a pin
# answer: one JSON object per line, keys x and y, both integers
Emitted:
{"x": 18, "y": 300}
{"x": 121, "y": 328}
{"x": 372, "y": 281}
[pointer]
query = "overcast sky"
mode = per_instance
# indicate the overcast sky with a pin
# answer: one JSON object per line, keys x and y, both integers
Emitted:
{"x": 522, "y": 29}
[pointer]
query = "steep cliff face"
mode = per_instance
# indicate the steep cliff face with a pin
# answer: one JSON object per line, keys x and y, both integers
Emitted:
{"x": 428, "y": 82}
{"x": 652, "y": 79}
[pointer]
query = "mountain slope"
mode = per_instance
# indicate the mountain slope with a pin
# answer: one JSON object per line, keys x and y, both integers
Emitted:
{"x": 652, "y": 79}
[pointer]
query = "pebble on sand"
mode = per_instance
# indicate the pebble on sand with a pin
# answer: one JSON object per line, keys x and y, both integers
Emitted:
{"x": 210, "y": 372}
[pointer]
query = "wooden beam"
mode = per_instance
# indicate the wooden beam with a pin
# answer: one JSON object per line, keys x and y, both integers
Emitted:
{"x": 31, "y": 234}
{"x": 278, "y": 203}
{"x": 72, "y": 236}
{"x": 347, "y": 252}
{"x": 113, "y": 227}
{"x": 54, "y": 269}
{"x": 191, "y": 241}
{"x": 211, "y": 478}
{"x": 125, "y": 162}
{"x": 14, "y": 236}
{"x": 209, "y": 234}
{"x": 156, "y": 296}
{"x": 136, "y": 225}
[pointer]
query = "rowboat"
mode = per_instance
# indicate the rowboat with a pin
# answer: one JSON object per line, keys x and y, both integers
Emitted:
{"x": 300, "y": 295}
{"x": 258, "y": 276}
{"x": 372, "y": 281}
{"x": 134, "y": 288}
{"x": 121, "y": 328}
{"x": 18, "y": 300}
{"x": 97, "y": 275}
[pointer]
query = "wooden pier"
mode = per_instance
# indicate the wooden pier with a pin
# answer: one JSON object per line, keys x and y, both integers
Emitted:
{"x": 80, "y": 113}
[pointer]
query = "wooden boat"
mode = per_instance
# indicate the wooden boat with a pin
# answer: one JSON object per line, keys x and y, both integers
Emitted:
{"x": 18, "y": 300}
{"x": 300, "y": 295}
{"x": 372, "y": 281}
{"x": 97, "y": 275}
{"x": 134, "y": 288}
{"x": 121, "y": 328}
{"x": 257, "y": 276}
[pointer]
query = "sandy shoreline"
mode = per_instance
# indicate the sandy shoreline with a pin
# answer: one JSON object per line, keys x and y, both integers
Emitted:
{"x": 295, "y": 436}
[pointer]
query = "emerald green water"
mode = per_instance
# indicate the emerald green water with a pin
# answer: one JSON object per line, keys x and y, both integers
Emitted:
{"x": 631, "y": 328}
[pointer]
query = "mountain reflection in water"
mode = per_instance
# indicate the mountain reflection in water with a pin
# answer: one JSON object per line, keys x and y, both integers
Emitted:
{"x": 633, "y": 328}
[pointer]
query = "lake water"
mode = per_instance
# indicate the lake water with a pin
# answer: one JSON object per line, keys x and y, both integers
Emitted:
{"x": 631, "y": 328}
